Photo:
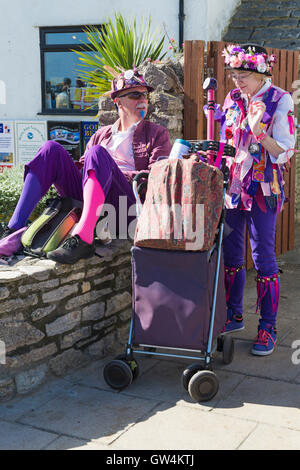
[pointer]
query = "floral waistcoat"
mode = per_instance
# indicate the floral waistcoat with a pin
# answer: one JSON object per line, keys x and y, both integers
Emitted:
{"x": 252, "y": 174}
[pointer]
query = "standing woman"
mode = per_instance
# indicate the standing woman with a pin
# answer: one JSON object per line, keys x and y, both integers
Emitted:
{"x": 258, "y": 121}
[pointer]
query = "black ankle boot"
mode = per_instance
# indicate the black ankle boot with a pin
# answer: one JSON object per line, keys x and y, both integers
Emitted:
{"x": 72, "y": 250}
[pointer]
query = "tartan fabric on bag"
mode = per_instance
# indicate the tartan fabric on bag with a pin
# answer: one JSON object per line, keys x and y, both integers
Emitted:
{"x": 182, "y": 207}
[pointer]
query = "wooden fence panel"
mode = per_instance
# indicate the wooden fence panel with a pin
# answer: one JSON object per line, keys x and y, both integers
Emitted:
{"x": 193, "y": 95}
{"x": 199, "y": 64}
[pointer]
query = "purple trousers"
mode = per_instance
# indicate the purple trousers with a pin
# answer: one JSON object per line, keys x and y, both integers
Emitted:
{"x": 53, "y": 165}
{"x": 261, "y": 227}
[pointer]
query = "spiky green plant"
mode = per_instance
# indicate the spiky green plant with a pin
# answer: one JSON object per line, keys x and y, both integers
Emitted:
{"x": 119, "y": 45}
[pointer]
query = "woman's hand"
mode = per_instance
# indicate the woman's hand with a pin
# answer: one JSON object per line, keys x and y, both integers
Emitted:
{"x": 254, "y": 116}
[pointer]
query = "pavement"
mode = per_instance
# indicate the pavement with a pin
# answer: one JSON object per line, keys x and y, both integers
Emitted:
{"x": 257, "y": 406}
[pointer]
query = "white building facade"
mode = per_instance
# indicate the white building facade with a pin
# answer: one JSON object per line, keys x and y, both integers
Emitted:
{"x": 22, "y": 63}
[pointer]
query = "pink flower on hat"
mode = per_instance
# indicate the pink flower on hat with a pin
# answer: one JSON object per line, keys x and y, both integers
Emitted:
{"x": 235, "y": 62}
{"x": 241, "y": 56}
{"x": 260, "y": 59}
{"x": 225, "y": 54}
{"x": 230, "y": 47}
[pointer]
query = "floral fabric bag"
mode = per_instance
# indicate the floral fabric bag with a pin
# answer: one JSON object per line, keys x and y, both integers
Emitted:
{"x": 183, "y": 206}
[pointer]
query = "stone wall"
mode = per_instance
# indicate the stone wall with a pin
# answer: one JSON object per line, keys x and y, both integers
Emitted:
{"x": 54, "y": 318}
{"x": 266, "y": 22}
{"x": 166, "y": 101}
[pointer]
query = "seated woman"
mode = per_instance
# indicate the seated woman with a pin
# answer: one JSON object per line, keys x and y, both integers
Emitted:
{"x": 113, "y": 156}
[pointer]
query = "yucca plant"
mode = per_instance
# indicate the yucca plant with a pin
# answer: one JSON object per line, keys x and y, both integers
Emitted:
{"x": 120, "y": 45}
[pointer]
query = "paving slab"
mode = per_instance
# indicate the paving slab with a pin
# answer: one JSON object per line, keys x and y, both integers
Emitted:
{"x": 292, "y": 337}
{"x": 14, "y": 409}
{"x": 267, "y": 437}
{"x": 71, "y": 443}
{"x": 277, "y": 366}
{"x": 17, "y": 436}
{"x": 264, "y": 401}
{"x": 88, "y": 413}
{"x": 177, "y": 427}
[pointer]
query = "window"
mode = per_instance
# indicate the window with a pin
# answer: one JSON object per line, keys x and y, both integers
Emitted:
{"x": 62, "y": 90}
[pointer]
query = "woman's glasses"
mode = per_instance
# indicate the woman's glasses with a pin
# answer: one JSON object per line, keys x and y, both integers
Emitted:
{"x": 136, "y": 95}
{"x": 240, "y": 77}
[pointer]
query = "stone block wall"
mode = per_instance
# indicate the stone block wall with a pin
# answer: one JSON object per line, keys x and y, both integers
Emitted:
{"x": 54, "y": 318}
{"x": 266, "y": 22}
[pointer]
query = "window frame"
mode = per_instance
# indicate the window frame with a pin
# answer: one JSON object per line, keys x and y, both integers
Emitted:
{"x": 44, "y": 48}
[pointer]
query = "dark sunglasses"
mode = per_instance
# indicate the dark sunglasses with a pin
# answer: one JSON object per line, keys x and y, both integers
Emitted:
{"x": 136, "y": 95}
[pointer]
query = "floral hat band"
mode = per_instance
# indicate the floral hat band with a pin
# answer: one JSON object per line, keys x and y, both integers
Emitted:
{"x": 128, "y": 79}
{"x": 249, "y": 57}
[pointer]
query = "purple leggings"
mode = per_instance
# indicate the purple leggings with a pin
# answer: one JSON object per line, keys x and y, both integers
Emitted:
{"x": 53, "y": 165}
{"x": 261, "y": 227}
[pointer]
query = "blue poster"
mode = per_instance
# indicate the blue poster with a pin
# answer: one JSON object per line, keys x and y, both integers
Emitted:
{"x": 66, "y": 133}
{"x": 88, "y": 128}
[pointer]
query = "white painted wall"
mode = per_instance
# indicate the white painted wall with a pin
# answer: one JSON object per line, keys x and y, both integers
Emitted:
{"x": 219, "y": 14}
{"x": 19, "y": 37}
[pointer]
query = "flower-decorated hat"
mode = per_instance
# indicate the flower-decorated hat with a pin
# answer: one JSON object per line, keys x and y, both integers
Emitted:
{"x": 126, "y": 80}
{"x": 249, "y": 57}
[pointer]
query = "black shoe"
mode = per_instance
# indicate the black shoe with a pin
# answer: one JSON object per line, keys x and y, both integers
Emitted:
{"x": 5, "y": 231}
{"x": 71, "y": 251}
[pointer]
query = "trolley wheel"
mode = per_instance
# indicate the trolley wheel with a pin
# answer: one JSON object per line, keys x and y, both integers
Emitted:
{"x": 117, "y": 374}
{"x": 188, "y": 372}
{"x": 220, "y": 342}
{"x": 132, "y": 364}
{"x": 203, "y": 385}
{"x": 228, "y": 349}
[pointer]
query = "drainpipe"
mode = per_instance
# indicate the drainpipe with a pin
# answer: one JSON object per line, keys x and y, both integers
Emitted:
{"x": 181, "y": 17}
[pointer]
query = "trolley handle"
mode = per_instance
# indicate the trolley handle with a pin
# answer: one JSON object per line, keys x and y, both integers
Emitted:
{"x": 137, "y": 185}
{"x": 142, "y": 174}
{"x": 212, "y": 145}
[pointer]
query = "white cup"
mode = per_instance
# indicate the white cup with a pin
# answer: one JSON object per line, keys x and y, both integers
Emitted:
{"x": 180, "y": 147}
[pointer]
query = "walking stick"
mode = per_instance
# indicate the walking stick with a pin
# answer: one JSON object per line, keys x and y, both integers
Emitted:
{"x": 210, "y": 84}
